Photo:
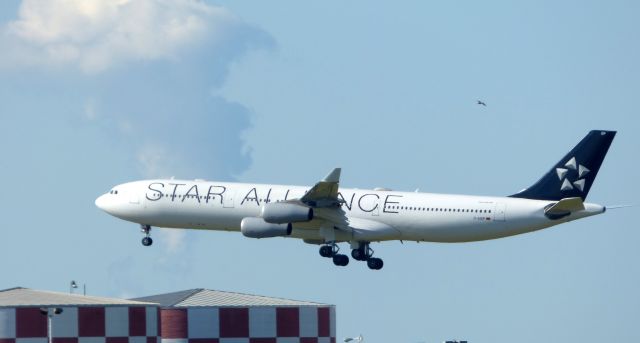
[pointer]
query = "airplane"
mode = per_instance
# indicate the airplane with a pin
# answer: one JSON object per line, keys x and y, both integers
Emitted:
{"x": 326, "y": 214}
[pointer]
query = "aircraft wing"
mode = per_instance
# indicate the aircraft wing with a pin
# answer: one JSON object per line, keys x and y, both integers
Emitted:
{"x": 325, "y": 192}
{"x": 358, "y": 228}
{"x": 323, "y": 197}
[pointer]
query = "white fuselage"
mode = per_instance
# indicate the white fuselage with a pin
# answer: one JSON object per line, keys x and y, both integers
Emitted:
{"x": 412, "y": 216}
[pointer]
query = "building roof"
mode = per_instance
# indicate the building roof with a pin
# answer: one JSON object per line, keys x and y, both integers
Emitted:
{"x": 200, "y": 297}
{"x": 20, "y": 297}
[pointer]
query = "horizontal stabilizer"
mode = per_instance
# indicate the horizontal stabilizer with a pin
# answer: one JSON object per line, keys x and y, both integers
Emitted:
{"x": 565, "y": 206}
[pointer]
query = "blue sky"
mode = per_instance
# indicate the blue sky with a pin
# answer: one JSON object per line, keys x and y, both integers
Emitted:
{"x": 281, "y": 92}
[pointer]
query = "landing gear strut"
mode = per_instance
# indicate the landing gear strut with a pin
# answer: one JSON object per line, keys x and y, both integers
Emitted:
{"x": 146, "y": 229}
{"x": 365, "y": 253}
{"x": 331, "y": 250}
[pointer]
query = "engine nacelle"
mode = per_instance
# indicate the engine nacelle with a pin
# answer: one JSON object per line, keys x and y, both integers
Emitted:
{"x": 257, "y": 228}
{"x": 284, "y": 212}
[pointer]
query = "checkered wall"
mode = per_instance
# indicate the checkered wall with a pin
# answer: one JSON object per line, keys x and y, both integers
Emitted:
{"x": 118, "y": 324}
{"x": 305, "y": 324}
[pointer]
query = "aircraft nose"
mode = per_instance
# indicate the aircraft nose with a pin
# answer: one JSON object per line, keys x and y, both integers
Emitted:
{"x": 101, "y": 202}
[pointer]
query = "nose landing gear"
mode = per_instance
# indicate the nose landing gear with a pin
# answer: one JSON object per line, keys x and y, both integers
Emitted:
{"x": 146, "y": 229}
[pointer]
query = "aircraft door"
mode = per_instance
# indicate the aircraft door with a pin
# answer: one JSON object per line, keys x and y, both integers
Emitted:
{"x": 369, "y": 203}
{"x": 499, "y": 212}
{"x": 228, "y": 199}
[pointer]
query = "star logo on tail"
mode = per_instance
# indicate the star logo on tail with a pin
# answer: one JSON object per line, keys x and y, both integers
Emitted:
{"x": 575, "y": 168}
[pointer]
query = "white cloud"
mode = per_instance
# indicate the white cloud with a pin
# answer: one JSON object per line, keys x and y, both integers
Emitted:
{"x": 153, "y": 161}
{"x": 160, "y": 115}
{"x": 98, "y": 34}
{"x": 174, "y": 240}
{"x": 90, "y": 111}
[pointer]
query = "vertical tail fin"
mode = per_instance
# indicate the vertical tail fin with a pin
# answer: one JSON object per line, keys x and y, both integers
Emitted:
{"x": 574, "y": 174}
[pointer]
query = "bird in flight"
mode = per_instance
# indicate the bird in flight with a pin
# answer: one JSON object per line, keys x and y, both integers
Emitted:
{"x": 482, "y": 103}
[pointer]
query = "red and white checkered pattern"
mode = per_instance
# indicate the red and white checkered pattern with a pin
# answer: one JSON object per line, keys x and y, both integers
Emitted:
{"x": 254, "y": 324}
{"x": 90, "y": 324}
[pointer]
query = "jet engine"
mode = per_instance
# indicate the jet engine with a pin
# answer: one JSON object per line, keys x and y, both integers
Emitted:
{"x": 253, "y": 227}
{"x": 283, "y": 212}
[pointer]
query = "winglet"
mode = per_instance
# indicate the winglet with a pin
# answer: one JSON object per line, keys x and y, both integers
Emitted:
{"x": 325, "y": 192}
{"x": 333, "y": 176}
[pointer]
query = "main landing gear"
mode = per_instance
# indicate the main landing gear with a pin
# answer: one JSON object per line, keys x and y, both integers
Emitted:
{"x": 365, "y": 253}
{"x": 362, "y": 253}
{"x": 146, "y": 229}
{"x": 331, "y": 250}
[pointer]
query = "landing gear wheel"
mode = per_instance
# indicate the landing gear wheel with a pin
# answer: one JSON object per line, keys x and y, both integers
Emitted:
{"x": 326, "y": 251}
{"x": 340, "y": 260}
{"x": 375, "y": 263}
{"x": 363, "y": 252}
{"x": 358, "y": 255}
{"x": 147, "y": 241}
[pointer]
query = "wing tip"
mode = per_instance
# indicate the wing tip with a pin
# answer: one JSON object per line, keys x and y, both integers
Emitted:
{"x": 333, "y": 176}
